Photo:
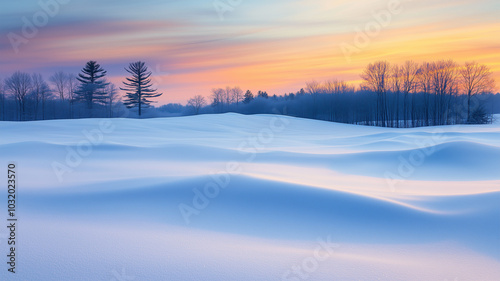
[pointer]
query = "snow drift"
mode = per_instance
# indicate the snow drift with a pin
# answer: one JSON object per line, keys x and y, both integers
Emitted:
{"x": 233, "y": 197}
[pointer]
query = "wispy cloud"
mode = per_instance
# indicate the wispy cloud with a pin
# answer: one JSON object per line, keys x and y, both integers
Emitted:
{"x": 275, "y": 46}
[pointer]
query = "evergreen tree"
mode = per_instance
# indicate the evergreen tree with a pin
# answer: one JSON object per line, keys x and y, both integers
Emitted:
{"x": 138, "y": 88}
{"x": 248, "y": 97}
{"x": 479, "y": 116}
{"x": 92, "y": 85}
{"x": 263, "y": 94}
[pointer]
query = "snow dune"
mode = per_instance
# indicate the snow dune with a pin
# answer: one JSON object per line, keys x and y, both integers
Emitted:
{"x": 233, "y": 197}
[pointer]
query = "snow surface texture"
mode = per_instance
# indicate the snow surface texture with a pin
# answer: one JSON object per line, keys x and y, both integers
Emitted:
{"x": 233, "y": 197}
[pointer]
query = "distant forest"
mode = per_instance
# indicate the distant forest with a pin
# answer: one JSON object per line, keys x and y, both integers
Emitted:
{"x": 391, "y": 95}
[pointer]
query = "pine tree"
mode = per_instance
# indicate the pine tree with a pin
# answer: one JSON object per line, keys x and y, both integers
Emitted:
{"x": 263, "y": 94}
{"x": 248, "y": 97}
{"x": 92, "y": 85}
{"x": 138, "y": 88}
{"x": 479, "y": 116}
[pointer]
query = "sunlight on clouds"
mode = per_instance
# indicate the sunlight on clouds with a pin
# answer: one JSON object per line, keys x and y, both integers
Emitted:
{"x": 259, "y": 45}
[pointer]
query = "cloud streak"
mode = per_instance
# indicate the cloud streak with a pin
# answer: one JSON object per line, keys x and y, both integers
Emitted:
{"x": 274, "y": 46}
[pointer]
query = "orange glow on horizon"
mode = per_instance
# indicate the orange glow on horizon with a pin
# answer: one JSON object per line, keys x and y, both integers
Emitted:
{"x": 190, "y": 56}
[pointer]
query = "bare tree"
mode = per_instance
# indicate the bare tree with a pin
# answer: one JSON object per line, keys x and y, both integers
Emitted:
{"x": 333, "y": 87}
{"x": 375, "y": 77}
{"x": 341, "y": 87}
{"x": 396, "y": 85}
{"x": 197, "y": 102}
{"x": 424, "y": 83}
{"x": 475, "y": 79}
{"x": 60, "y": 81}
{"x": 72, "y": 86}
{"x": 40, "y": 92}
{"x": 218, "y": 98}
{"x": 113, "y": 97}
{"x": 409, "y": 72}
{"x": 20, "y": 85}
{"x": 314, "y": 88}
{"x": 444, "y": 76}
{"x": 228, "y": 96}
{"x": 237, "y": 95}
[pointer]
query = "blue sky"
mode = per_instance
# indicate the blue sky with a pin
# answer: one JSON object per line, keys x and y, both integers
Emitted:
{"x": 275, "y": 46}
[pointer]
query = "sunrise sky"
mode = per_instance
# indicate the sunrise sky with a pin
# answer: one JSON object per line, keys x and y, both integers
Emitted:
{"x": 275, "y": 46}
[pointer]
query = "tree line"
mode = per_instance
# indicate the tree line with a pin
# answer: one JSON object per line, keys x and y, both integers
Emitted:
{"x": 390, "y": 95}
{"x": 26, "y": 96}
{"x": 426, "y": 94}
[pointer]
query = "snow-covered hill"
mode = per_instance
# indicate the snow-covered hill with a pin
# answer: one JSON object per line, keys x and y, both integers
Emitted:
{"x": 233, "y": 197}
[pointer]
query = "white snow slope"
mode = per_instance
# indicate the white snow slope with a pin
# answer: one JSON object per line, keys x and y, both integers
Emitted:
{"x": 233, "y": 197}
